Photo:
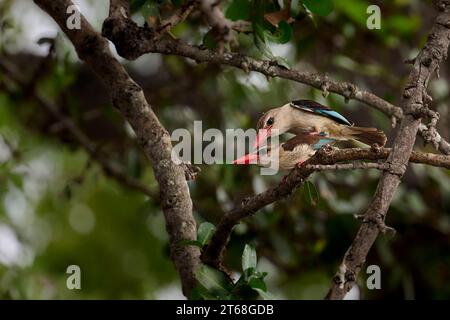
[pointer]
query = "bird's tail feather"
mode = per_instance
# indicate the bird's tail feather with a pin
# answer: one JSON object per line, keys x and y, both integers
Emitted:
{"x": 367, "y": 136}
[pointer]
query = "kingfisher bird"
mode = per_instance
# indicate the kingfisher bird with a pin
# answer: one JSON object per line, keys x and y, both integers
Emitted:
{"x": 291, "y": 153}
{"x": 312, "y": 118}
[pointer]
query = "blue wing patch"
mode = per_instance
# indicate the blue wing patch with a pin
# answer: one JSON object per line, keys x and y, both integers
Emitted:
{"x": 321, "y": 143}
{"x": 333, "y": 114}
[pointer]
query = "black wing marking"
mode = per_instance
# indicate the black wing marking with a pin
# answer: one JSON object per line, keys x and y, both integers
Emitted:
{"x": 309, "y": 105}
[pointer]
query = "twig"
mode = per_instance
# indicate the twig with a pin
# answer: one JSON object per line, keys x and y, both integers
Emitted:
{"x": 347, "y": 166}
{"x": 221, "y": 26}
{"x": 178, "y": 17}
{"x": 242, "y": 26}
{"x": 431, "y": 135}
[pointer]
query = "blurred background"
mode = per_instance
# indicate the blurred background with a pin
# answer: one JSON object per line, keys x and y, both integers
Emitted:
{"x": 58, "y": 207}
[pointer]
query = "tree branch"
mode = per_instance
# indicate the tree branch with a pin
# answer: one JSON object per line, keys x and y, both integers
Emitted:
{"x": 431, "y": 135}
{"x": 125, "y": 34}
{"x": 414, "y": 105}
{"x": 129, "y": 99}
{"x": 132, "y": 42}
{"x": 347, "y": 166}
{"x": 176, "y": 18}
{"x": 221, "y": 26}
{"x": 119, "y": 7}
{"x": 213, "y": 252}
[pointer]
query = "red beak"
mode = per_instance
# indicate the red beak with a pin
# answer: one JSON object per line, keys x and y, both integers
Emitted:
{"x": 247, "y": 159}
{"x": 263, "y": 134}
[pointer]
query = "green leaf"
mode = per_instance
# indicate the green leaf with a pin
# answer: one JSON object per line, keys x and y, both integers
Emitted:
{"x": 239, "y": 10}
{"x": 204, "y": 233}
{"x": 214, "y": 281}
{"x": 312, "y": 193}
{"x": 319, "y": 7}
{"x": 249, "y": 259}
{"x": 260, "y": 35}
{"x": 257, "y": 283}
{"x": 265, "y": 295}
{"x": 260, "y": 39}
{"x": 250, "y": 273}
{"x": 201, "y": 293}
{"x": 282, "y": 62}
{"x": 283, "y": 33}
{"x": 265, "y": 50}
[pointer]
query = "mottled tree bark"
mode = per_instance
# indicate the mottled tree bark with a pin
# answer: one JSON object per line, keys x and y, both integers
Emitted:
{"x": 129, "y": 99}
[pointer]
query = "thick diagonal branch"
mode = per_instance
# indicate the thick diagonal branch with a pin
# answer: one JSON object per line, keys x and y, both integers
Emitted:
{"x": 129, "y": 99}
{"x": 414, "y": 99}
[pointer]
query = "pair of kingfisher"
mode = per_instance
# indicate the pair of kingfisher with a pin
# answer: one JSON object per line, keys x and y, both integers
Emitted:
{"x": 314, "y": 126}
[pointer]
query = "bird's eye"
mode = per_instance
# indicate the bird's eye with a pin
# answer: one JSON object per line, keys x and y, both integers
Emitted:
{"x": 270, "y": 121}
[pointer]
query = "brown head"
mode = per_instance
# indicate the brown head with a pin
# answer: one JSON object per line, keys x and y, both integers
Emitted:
{"x": 276, "y": 121}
